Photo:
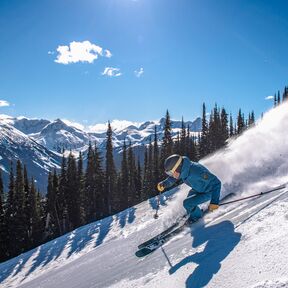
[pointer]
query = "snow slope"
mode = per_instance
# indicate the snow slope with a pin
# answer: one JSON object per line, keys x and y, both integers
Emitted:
{"x": 240, "y": 245}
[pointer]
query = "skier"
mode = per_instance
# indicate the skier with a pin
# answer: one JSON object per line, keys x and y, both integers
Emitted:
{"x": 205, "y": 186}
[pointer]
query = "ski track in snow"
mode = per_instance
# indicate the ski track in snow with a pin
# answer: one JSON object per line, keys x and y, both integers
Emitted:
{"x": 240, "y": 245}
{"x": 281, "y": 283}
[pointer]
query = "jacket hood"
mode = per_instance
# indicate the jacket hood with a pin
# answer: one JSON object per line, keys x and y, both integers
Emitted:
{"x": 185, "y": 168}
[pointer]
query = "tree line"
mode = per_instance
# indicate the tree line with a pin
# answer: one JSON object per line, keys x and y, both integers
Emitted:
{"x": 77, "y": 195}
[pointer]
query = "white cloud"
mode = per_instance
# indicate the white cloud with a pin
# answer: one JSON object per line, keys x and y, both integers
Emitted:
{"x": 270, "y": 97}
{"x": 73, "y": 124}
{"x": 4, "y": 103}
{"x": 139, "y": 73}
{"x": 108, "y": 54}
{"x": 117, "y": 125}
{"x": 98, "y": 128}
{"x": 80, "y": 52}
{"x": 111, "y": 72}
{"x": 6, "y": 118}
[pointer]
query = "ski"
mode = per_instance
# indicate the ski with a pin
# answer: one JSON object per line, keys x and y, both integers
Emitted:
{"x": 157, "y": 241}
{"x": 163, "y": 233}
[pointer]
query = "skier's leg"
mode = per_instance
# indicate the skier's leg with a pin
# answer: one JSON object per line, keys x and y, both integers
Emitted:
{"x": 191, "y": 204}
{"x": 187, "y": 203}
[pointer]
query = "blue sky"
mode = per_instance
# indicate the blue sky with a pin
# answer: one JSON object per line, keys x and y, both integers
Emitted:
{"x": 187, "y": 51}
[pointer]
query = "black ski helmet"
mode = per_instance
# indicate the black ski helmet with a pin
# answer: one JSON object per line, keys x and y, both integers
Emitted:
{"x": 172, "y": 164}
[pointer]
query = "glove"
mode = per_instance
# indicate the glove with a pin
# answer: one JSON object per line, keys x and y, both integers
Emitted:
{"x": 160, "y": 187}
{"x": 213, "y": 207}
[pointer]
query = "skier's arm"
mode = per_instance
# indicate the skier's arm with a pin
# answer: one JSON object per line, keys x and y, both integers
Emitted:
{"x": 214, "y": 203}
{"x": 167, "y": 183}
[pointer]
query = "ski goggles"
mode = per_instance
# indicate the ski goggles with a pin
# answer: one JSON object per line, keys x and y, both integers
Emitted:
{"x": 173, "y": 170}
{"x": 169, "y": 173}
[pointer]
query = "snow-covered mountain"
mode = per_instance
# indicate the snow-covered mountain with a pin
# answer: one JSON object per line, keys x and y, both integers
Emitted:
{"x": 29, "y": 126}
{"x": 54, "y": 135}
{"x": 59, "y": 134}
{"x": 140, "y": 133}
{"x": 243, "y": 244}
{"x": 16, "y": 145}
{"x": 32, "y": 136}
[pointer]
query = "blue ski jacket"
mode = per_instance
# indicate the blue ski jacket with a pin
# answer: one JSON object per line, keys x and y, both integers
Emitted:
{"x": 198, "y": 177}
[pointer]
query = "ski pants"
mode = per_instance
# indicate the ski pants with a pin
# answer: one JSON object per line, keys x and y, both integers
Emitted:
{"x": 192, "y": 201}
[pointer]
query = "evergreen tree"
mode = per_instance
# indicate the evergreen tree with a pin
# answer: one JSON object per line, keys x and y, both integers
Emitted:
{"x": 218, "y": 127}
{"x": 167, "y": 142}
{"x": 99, "y": 185}
{"x": 285, "y": 94}
{"x": 215, "y": 130}
{"x": 156, "y": 168}
{"x": 61, "y": 199}
{"x": 1, "y": 194}
{"x": 210, "y": 140}
{"x": 224, "y": 127}
{"x": 89, "y": 187}
{"x": 3, "y": 227}
{"x": 53, "y": 227}
{"x": 131, "y": 176}
{"x": 183, "y": 145}
{"x": 110, "y": 196}
{"x": 80, "y": 182}
{"x": 58, "y": 209}
{"x": 275, "y": 100}
{"x": 73, "y": 198}
{"x": 138, "y": 183}
{"x": 240, "y": 122}
{"x": 26, "y": 182}
{"x": 188, "y": 141}
{"x": 119, "y": 189}
{"x": 204, "y": 143}
{"x": 35, "y": 228}
{"x": 9, "y": 216}
{"x": 124, "y": 178}
{"x": 251, "y": 119}
{"x": 192, "y": 151}
{"x": 27, "y": 208}
{"x": 231, "y": 127}
{"x": 42, "y": 215}
{"x": 191, "y": 147}
{"x": 278, "y": 98}
{"x": 151, "y": 189}
{"x": 145, "y": 184}
{"x": 19, "y": 210}
{"x": 177, "y": 144}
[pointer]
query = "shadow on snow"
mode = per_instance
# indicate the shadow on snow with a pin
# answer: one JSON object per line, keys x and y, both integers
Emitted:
{"x": 221, "y": 240}
{"x": 74, "y": 242}
{"x": 126, "y": 216}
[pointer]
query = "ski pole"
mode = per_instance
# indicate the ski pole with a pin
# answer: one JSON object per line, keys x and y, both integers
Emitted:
{"x": 255, "y": 195}
{"x": 158, "y": 206}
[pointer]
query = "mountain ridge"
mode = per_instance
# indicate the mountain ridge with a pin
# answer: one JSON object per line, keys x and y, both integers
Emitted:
{"x": 48, "y": 140}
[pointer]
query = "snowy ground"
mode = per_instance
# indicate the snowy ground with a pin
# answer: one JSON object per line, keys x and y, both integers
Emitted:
{"x": 240, "y": 245}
